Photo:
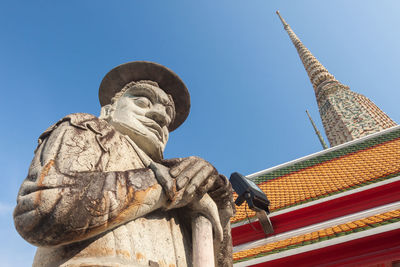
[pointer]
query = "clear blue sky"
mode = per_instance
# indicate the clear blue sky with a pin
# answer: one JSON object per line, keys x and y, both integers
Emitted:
{"x": 248, "y": 87}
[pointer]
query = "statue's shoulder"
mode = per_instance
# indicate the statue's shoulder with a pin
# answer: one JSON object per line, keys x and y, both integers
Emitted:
{"x": 82, "y": 121}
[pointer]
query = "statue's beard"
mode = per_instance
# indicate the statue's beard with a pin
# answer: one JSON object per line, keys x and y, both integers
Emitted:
{"x": 150, "y": 145}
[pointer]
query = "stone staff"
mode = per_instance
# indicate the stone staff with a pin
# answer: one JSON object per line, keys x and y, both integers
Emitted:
{"x": 202, "y": 228}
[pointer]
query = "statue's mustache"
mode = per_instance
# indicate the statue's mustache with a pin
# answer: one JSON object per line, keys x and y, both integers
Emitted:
{"x": 149, "y": 124}
{"x": 152, "y": 126}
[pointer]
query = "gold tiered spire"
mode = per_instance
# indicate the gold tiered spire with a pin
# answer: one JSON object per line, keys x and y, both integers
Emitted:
{"x": 317, "y": 73}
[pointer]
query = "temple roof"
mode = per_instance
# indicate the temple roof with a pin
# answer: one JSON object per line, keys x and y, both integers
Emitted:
{"x": 329, "y": 233}
{"x": 340, "y": 169}
{"x": 329, "y": 207}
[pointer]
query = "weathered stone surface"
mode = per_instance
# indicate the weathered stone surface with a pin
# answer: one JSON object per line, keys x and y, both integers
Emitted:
{"x": 99, "y": 193}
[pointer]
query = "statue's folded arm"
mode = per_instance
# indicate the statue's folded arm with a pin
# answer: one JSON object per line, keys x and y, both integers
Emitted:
{"x": 67, "y": 196}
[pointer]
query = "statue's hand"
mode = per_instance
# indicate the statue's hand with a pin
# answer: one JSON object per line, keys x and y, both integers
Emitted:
{"x": 163, "y": 177}
{"x": 187, "y": 179}
{"x": 186, "y": 182}
{"x": 218, "y": 187}
{"x": 194, "y": 177}
{"x": 222, "y": 194}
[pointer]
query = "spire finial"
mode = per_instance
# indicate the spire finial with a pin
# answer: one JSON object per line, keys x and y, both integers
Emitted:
{"x": 280, "y": 17}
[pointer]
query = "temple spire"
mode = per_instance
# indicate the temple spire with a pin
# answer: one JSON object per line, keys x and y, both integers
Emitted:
{"x": 317, "y": 73}
{"x": 346, "y": 115}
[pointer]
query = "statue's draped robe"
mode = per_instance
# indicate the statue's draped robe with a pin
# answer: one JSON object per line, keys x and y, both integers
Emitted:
{"x": 89, "y": 200}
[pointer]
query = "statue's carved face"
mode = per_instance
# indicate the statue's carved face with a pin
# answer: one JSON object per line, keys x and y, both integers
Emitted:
{"x": 144, "y": 113}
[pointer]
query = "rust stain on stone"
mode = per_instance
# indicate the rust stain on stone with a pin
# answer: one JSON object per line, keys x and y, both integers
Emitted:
{"x": 139, "y": 196}
{"x": 139, "y": 256}
{"x": 123, "y": 253}
{"x": 172, "y": 265}
{"x": 130, "y": 195}
{"x": 93, "y": 251}
{"x": 135, "y": 199}
{"x": 45, "y": 171}
{"x": 43, "y": 174}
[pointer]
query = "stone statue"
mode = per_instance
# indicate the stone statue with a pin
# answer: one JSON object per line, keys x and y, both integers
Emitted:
{"x": 99, "y": 193}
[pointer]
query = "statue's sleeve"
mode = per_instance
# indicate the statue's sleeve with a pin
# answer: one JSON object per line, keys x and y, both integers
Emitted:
{"x": 67, "y": 198}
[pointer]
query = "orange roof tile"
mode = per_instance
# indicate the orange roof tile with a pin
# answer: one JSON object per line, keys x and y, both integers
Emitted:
{"x": 317, "y": 236}
{"x": 344, "y": 172}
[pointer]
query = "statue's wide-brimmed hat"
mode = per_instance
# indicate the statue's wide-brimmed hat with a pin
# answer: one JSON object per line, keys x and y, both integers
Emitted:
{"x": 168, "y": 81}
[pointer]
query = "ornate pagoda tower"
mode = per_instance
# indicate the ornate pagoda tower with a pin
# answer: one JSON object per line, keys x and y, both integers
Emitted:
{"x": 346, "y": 115}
